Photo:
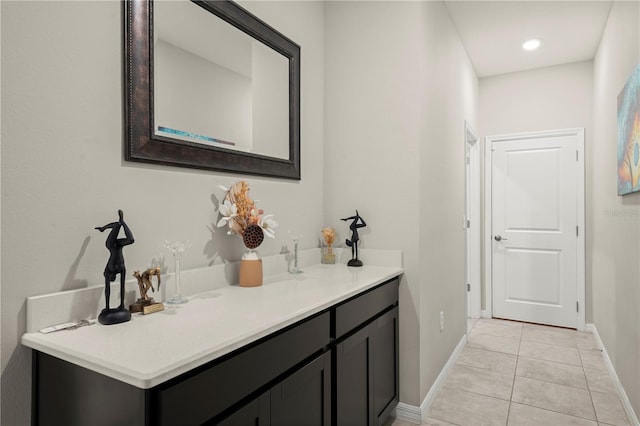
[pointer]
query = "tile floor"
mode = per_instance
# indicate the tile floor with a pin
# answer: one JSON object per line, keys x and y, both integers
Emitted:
{"x": 510, "y": 373}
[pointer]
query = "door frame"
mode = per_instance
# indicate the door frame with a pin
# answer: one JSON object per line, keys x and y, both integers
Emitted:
{"x": 580, "y": 220}
{"x": 473, "y": 241}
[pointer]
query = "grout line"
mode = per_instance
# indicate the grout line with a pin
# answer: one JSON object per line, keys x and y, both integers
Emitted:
{"x": 515, "y": 373}
{"x": 560, "y": 412}
{"x": 489, "y": 350}
{"x": 476, "y": 393}
{"x": 593, "y": 405}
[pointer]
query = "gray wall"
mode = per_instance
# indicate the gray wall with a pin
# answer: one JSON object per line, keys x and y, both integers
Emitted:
{"x": 450, "y": 97}
{"x": 63, "y": 171}
{"x": 399, "y": 86}
{"x": 615, "y": 221}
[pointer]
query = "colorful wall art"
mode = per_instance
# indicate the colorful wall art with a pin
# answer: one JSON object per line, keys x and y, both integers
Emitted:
{"x": 629, "y": 135}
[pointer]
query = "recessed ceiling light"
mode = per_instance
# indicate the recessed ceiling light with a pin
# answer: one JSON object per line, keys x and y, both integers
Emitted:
{"x": 532, "y": 44}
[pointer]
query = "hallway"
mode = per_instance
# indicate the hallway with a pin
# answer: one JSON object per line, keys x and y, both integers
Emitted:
{"x": 510, "y": 373}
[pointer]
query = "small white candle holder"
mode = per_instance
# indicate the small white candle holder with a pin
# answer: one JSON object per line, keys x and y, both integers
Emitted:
{"x": 295, "y": 238}
{"x": 177, "y": 248}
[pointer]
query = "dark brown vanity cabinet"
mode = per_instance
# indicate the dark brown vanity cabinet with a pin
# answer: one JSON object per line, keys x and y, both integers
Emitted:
{"x": 301, "y": 399}
{"x": 366, "y": 358}
{"x": 338, "y": 367}
{"x": 212, "y": 392}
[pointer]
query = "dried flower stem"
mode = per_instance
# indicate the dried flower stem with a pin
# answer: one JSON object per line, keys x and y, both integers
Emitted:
{"x": 329, "y": 235}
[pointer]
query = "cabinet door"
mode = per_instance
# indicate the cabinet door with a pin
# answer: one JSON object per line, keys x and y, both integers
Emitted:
{"x": 255, "y": 413}
{"x": 69, "y": 395}
{"x": 354, "y": 379}
{"x": 304, "y": 398}
{"x": 197, "y": 398}
{"x": 385, "y": 365}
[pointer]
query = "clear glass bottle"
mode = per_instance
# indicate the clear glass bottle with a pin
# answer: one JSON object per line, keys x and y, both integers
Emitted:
{"x": 177, "y": 248}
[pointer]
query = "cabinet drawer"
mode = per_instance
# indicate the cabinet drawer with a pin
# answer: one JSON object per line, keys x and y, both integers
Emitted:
{"x": 205, "y": 395}
{"x": 360, "y": 309}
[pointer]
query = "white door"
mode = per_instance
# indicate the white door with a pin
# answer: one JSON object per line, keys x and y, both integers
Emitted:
{"x": 536, "y": 205}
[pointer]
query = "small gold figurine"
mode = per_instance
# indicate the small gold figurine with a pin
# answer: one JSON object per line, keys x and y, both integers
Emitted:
{"x": 145, "y": 304}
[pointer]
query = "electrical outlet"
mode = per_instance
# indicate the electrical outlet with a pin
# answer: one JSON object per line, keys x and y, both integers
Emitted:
{"x": 441, "y": 321}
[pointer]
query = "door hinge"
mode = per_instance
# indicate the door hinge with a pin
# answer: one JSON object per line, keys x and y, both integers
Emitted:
{"x": 577, "y": 155}
{"x": 468, "y": 224}
{"x": 468, "y": 287}
{"x": 577, "y": 306}
{"x": 577, "y": 231}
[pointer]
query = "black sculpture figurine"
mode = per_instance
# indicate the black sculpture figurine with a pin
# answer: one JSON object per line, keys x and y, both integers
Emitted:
{"x": 358, "y": 222}
{"x": 115, "y": 266}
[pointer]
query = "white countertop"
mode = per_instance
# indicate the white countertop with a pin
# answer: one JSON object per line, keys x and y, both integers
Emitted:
{"x": 151, "y": 349}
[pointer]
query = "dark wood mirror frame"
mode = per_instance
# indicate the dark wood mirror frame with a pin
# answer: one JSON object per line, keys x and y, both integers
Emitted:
{"x": 141, "y": 142}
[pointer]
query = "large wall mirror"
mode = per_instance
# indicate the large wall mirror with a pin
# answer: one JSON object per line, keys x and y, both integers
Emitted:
{"x": 210, "y": 86}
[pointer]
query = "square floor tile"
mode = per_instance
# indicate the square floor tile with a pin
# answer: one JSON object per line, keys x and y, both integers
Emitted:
{"x": 525, "y": 415}
{"x": 550, "y": 352}
{"x": 599, "y": 380}
{"x": 593, "y": 359}
{"x": 496, "y": 328}
{"x": 554, "y": 397}
{"x": 609, "y": 409}
{"x": 554, "y": 372}
{"x": 493, "y": 343}
{"x": 549, "y": 337}
{"x": 479, "y": 380}
{"x": 482, "y": 358}
{"x": 550, "y": 328}
{"x": 586, "y": 341}
{"x": 467, "y": 408}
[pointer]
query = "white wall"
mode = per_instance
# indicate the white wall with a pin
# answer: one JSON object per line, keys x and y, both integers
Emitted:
{"x": 548, "y": 98}
{"x": 270, "y": 106}
{"x": 615, "y": 220}
{"x": 541, "y": 99}
{"x": 372, "y": 143}
{"x": 450, "y": 98}
{"x": 198, "y": 96}
{"x": 399, "y": 86}
{"x": 63, "y": 171}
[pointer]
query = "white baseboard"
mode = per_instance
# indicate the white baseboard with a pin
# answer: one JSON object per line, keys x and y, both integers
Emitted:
{"x": 614, "y": 376}
{"x": 408, "y": 413}
{"x": 414, "y": 414}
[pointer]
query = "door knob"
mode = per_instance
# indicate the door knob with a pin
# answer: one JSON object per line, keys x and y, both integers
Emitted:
{"x": 499, "y": 238}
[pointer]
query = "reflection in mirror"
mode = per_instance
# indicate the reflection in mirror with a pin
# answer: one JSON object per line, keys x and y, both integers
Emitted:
{"x": 210, "y": 87}
{"x": 217, "y": 86}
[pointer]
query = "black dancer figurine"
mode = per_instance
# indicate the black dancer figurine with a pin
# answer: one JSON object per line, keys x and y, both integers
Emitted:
{"x": 115, "y": 266}
{"x": 358, "y": 222}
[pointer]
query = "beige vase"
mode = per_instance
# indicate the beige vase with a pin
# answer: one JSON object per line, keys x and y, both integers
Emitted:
{"x": 250, "y": 273}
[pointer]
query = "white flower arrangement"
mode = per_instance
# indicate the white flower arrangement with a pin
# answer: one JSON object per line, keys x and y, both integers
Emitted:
{"x": 241, "y": 216}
